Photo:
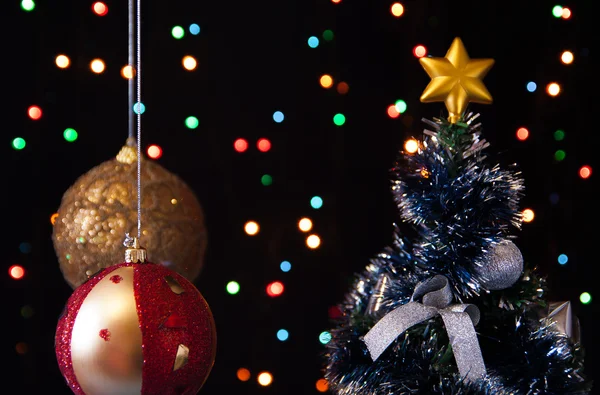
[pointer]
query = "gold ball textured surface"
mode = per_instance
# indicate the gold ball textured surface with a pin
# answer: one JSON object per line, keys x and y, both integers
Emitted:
{"x": 101, "y": 207}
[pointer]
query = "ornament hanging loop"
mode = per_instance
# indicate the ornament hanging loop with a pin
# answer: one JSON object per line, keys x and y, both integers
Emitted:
{"x": 134, "y": 252}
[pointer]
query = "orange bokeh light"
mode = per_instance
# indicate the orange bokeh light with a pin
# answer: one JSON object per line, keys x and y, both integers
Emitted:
{"x": 567, "y": 57}
{"x": 528, "y": 215}
{"x": 522, "y": 134}
{"x": 97, "y": 66}
{"x": 411, "y": 146}
{"x": 100, "y": 8}
{"x": 62, "y": 61}
{"x": 189, "y": 63}
{"x": 566, "y": 13}
{"x": 243, "y": 374}
{"x": 16, "y": 272}
{"x": 53, "y": 218}
{"x": 326, "y": 81}
{"x": 127, "y": 72}
{"x": 585, "y": 172}
{"x": 553, "y": 89}
{"x": 322, "y": 385}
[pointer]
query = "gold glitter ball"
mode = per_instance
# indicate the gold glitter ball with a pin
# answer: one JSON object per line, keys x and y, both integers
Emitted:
{"x": 101, "y": 207}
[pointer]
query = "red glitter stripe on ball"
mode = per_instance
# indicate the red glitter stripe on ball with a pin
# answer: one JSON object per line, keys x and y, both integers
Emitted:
{"x": 64, "y": 328}
{"x": 156, "y": 302}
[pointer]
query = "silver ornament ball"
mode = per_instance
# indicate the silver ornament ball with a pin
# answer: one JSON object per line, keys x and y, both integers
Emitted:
{"x": 500, "y": 267}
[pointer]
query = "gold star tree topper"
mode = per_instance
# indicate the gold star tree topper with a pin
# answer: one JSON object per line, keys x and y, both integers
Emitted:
{"x": 456, "y": 80}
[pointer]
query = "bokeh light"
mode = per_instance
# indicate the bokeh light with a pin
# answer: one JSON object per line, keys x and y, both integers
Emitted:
{"x": 18, "y": 143}
{"x": 313, "y": 42}
{"x": 27, "y": 5}
{"x": 285, "y": 266}
{"x": 560, "y": 155}
{"x": 528, "y": 215}
{"x": 154, "y": 151}
{"x": 563, "y": 259}
{"x": 278, "y": 116}
{"x": 559, "y": 135}
{"x": 557, "y": 11}
{"x": 97, "y": 66}
{"x": 401, "y": 106}
{"x": 336, "y": 1}
{"x": 243, "y": 374}
{"x": 313, "y": 241}
{"x": 328, "y": 35}
{"x": 275, "y": 289}
{"x": 22, "y": 348}
{"x": 251, "y": 228}
{"x": 70, "y": 134}
{"x": 324, "y": 337}
{"x": 397, "y": 9}
{"x": 263, "y": 145}
{"x": 195, "y": 29}
{"x": 585, "y": 172}
{"x": 553, "y": 89}
{"x": 566, "y": 13}
{"x": 326, "y": 81}
{"x": 127, "y": 72}
{"x": 392, "y": 112}
{"x": 62, "y": 61}
{"x": 27, "y": 311}
{"x": 232, "y": 287}
{"x": 266, "y": 180}
{"x": 283, "y": 335}
{"x": 522, "y": 134}
{"x": 585, "y": 298}
{"x": 305, "y": 224}
{"x": 531, "y": 86}
{"x": 265, "y": 378}
{"x": 316, "y": 202}
{"x": 411, "y": 146}
{"x": 25, "y": 247}
{"x": 322, "y": 385}
{"x": 177, "y": 32}
{"x": 339, "y": 119}
{"x": 100, "y": 8}
{"x": 189, "y": 63}
{"x": 419, "y": 51}
{"x": 53, "y": 218}
{"x": 139, "y": 108}
{"x": 240, "y": 145}
{"x": 16, "y": 272}
{"x": 567, "y": 57}
{"x": 343, "y": 88}
{"x": 191, "y": 122}
{"x": 34, "y": 112}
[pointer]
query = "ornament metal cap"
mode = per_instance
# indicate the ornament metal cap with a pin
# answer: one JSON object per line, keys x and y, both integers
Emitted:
{"x": 134, "y": 252}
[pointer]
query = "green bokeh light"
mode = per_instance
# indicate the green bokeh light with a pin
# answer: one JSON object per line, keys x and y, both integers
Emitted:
{"x": 27, "y": 5}
{"x": 266, "y": 180}
{"x": 339, "y": 119}
{"x": 400, "y": 106}
{"x": 328, "y": 35}
{"x": 585, "y": 298}
{"x": 557, "y": 11}
{"x": 324, "y": 337}
{"x": 192, "y": 122}
{"x": 233, "y": 287}
{"x": 70, "y": 134}
{"x": 177, "y": 32}
{"x": 559, "y": 155}
{"x": 559, "y": 135}
{"x": 18, "y": 143}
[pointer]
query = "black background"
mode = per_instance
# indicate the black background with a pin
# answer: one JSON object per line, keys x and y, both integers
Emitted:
{"x": 253, "y": 60}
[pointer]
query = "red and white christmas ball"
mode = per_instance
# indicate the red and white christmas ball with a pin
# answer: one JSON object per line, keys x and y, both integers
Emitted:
{"x": 136, "y": 328}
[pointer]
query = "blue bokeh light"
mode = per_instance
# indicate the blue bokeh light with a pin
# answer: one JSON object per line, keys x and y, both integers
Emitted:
{"x": 283, "y": 335}
{"x": 194, "y": 28}
{"x": 313, "y": 42}
{"x": 563, "y": 259}
{"x": 285, "y": 266}
{"x": 531, "y": 86}
{"x": 278, "y": 116}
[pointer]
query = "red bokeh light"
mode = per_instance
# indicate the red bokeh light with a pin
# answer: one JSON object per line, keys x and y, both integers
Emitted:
{"x": 100, "y": 8}
{"x": 275, "y": 289}
{"x": 566, "y": 13}
{"x": 522, "y": 134}
{"x": 392, "y": 111}
{"x": 419, "y": 51}
{"x": 240, "y": 145}
{"x": 16, "y": 272}
{"x": 585, "y": 172}
{"x": 334, "y": 312}
{"x": 154, "y": 151}
{"x": 263, "y": 145}
{"x": 34, "y": 112}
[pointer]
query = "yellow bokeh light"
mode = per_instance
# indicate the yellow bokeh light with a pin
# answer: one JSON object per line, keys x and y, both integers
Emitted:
{"x": 53, "y": 218}
{"x": 553, "y": 89}
{"x": 305, "y": 224}
{"x": 97, "y": 66}
{"x": 397, "y": 9}
{"x": 528, "y": 215}
{"x": 313, "y": 241}
{"x": 322, "y": 385}
{"x": 63, "y": 61}
{"x": 265, "y": 378}
{"x": 127, "y": 72}
{"x": 189, "y": 63}
{"x": 567, "y": 57}
{"x": 326, "y": 81}
{"x": 251, "y": 228}
{"x": 411, "y": 146}
{"x": 243, "y": 374}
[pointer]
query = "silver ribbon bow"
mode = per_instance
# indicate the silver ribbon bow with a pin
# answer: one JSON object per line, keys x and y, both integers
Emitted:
{"x": 430, "y": 298}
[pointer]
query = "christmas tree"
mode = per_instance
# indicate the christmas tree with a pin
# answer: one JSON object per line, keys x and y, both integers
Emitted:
{"x": 454, "y": 309}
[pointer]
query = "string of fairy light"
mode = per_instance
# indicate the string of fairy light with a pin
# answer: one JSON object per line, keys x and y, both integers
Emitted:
{"x": 305, "y": 225}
